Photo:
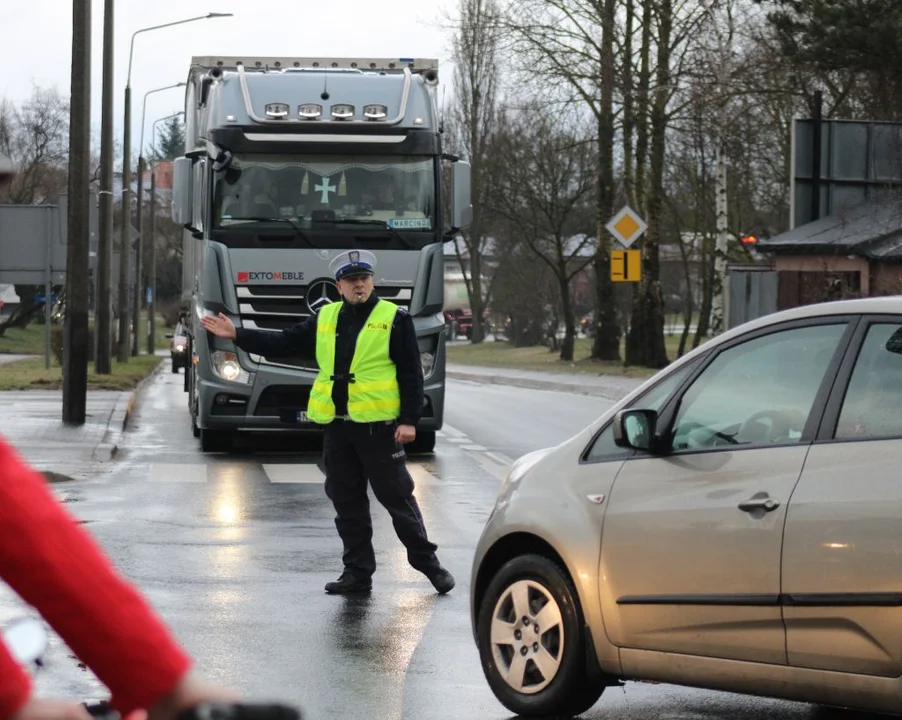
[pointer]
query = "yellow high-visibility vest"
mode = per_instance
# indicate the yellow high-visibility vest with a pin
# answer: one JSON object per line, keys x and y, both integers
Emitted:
{"x": 373, "y": 392}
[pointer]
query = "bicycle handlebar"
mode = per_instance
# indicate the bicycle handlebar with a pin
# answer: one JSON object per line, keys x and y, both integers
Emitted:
{"x": 214, "y": 711}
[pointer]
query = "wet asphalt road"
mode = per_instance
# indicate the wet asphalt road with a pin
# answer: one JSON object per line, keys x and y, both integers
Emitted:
{"x": 233, "y": 550}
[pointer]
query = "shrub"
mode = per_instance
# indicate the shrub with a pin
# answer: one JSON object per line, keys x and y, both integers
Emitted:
{"x": 56, "y": 343}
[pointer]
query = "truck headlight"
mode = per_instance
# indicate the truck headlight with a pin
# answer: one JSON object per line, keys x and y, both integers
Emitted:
{"x": 180, "y": 348}
{"x": 225, "y": 364}
{"x": 427, "y": 359}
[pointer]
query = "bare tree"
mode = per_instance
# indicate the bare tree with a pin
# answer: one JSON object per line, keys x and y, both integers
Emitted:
{"x": 476, "y": 79}
{"x": 35, "y": 137}
{"x": 565, "y": 55}
{"x": 547, "y": 196}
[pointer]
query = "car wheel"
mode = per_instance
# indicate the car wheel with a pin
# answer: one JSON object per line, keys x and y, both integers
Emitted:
{"x": 531, "y": 642}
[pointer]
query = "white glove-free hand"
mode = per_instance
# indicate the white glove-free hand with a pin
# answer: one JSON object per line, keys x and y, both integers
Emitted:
{"x": 220, "y": 326}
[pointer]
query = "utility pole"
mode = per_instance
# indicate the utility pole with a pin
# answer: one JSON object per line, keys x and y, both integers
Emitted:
{"x": 124, "y": 235}
{"x": 75, "y": 333}
{"x": 139, "y": 251}
{"x": 102, "y": 313}
{"x": 152, "y": 280}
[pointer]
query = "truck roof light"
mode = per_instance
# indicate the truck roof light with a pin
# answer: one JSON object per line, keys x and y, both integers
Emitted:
{"x": 375, "y": 112}
{"x": 276, "y": 110}
{"x": 343, "y": 111}
{"x": 310, "y": 111}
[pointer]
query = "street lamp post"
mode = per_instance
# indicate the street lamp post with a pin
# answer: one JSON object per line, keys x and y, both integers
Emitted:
{"x": 122, "y": 345}
{"x": 139, "y": 242}
{"x": 152, "y": 305}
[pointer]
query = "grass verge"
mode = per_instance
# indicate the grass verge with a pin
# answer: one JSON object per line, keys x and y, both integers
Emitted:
{"x": 26, "y": 341}
{"x": 505, "y": 355}
{"x": 30, "y": 374}
{"x": 30, "y": 340}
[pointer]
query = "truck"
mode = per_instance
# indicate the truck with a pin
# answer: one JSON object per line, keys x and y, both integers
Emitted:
{"x": 288, "y": 162}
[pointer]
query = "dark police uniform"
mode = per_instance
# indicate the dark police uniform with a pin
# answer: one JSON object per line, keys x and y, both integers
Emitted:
{"x": 355, "y": 452}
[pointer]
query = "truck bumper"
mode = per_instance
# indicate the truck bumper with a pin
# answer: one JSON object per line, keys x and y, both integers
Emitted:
{"x": 274, "y": 401}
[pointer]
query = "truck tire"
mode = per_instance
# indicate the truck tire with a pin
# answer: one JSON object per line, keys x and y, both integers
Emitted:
{"x": 424, "y": 443}
{"x": 215, "y": 440}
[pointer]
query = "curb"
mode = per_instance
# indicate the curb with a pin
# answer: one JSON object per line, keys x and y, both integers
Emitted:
{"x": 120, "y": 417}
{"x": 607, "y": 392}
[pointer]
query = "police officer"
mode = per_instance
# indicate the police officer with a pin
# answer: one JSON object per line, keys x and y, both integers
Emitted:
{"x": 369, "y": 396}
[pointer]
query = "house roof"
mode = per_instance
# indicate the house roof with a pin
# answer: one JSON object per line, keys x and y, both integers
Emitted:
{"x": 872, "y": 229}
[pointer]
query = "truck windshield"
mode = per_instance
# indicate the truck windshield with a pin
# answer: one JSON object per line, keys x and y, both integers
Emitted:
{"x": 396, "y": 191}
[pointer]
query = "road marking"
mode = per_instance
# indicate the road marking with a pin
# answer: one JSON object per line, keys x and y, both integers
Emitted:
{"x": 177, "y": 472}
{"x": 500, "y": 459}
{"x": 421, "y": 476}
{"x": 297, "y": 473}
{"x": 452, "y": 432}
{"x": 474, "y": 448}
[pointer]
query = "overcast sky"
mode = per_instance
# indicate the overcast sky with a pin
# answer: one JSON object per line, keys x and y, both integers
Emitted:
{"x": 36, "y": 43}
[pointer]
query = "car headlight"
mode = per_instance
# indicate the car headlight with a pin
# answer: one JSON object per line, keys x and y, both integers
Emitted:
{"x": 180, "y": 348}
{"x": 225, "y": 364}
{"x": 427, "y": 359}
{"x": 517, "y": 472}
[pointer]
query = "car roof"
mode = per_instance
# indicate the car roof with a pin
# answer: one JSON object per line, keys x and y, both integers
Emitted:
{"x": 884, "y": 305}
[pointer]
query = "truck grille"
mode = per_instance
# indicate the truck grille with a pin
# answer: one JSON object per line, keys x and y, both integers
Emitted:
{"x": 277, "y": 307}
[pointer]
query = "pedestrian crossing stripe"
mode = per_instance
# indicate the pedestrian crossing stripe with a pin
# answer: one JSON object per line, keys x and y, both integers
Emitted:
{"x": 276, "y": 473}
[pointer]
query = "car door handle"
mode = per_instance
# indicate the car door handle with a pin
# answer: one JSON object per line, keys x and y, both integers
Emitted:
{"x": 759, "y": 503}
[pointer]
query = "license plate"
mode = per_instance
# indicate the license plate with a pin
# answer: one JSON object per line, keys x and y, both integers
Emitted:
{"x": 302, "y": 416}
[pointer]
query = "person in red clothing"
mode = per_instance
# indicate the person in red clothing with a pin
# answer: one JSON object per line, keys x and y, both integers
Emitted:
{"x": 52, "y": 563}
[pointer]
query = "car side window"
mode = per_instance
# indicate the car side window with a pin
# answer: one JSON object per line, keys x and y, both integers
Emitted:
{"x": 603, "y": 448}
{"x": 757, "y": 393}
{"x": 872, "y": 406}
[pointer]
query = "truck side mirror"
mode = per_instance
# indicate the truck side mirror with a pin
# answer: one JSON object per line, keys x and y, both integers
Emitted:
{"x": 182, "y": 191}
{"x": 461, "y": 204}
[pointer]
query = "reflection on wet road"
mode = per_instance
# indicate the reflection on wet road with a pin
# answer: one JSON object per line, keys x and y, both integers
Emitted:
{"x": 234, "y": 551}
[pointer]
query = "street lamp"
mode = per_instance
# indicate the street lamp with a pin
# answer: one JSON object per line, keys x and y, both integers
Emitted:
{"x": 139, "y": 242}
{"x": 152, "y": 305}
{"x": 122, "y": 347}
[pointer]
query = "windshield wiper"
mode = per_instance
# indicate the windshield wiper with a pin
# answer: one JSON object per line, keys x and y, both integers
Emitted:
{"x": 377, "y": 223}
{"x": 261, "y": 218}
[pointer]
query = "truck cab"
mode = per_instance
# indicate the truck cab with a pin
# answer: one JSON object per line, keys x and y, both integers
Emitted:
{"x": 288, "y": 162}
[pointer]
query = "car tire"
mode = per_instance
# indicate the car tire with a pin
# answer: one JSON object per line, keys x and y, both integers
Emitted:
{"x": 175, "y": 367}
{"x": 564, "y": 689}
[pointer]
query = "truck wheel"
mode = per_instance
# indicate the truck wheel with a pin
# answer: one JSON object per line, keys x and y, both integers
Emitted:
{"x": 215, "y": 440}
{"x": 422, "y": 444}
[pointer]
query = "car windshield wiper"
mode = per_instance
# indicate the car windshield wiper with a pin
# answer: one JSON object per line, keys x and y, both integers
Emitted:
{"x": 376, "y": 223}
{"x": 262, "y": 218}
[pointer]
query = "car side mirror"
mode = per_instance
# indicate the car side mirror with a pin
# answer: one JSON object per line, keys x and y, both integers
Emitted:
{"x": 635, "y": 429}
{"x": 169, "y": 336}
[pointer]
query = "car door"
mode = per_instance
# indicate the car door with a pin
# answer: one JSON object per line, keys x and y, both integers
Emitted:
{"x": 692, "y": 539}
{"x": 842, "y": 557}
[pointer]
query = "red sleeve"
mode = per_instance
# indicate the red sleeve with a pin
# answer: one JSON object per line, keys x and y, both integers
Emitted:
{"x": 15, "y": 685}
{"x": 57, "y": 567}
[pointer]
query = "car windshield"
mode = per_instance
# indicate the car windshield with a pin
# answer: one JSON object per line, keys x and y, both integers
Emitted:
{"x": 395, "y": 191}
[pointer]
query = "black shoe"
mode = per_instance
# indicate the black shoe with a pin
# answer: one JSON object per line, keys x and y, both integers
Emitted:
{"x": 442, "y": 580}
{"x": 348, "y": 583}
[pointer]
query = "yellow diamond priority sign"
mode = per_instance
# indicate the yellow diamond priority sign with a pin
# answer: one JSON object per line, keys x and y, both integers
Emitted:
{"x": 627, "y": 226}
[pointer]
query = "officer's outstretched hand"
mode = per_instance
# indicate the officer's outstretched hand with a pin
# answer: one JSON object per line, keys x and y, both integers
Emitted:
{"x": 220, "y": 326}
{"x": 405, "y": 433}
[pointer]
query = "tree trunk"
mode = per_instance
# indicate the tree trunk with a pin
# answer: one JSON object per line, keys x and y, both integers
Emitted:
{"x": 607, "y": 327}
{"x": 645, "y": 345}
{"x": 629, "y": 183}
{"x": 567, "y": 347}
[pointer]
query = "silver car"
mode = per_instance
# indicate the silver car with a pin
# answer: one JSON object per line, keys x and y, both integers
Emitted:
{"x": 735, "y": 524}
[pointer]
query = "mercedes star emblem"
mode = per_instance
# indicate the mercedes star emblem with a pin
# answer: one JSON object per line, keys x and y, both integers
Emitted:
{"x": 320, "y": 293}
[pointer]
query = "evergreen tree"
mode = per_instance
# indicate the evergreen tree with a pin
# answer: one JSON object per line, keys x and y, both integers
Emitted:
{"x": 171, "y": 140}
